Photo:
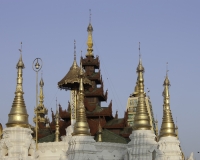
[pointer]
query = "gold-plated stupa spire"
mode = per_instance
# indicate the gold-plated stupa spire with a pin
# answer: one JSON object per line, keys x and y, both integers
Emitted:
{"x": 167, "y": 127}
{"x": 99, "y": 138}
{"x": 41, "y": 109}
{"x": 141, "y": 119}
{"x": 41, "y": 92}
{"x": 81, "y": 127}
{"x": 18, "y": 116}
{"x": 90, "y": 41}
{"x": 75, "y": 65}
{"x": 57, "y": 133}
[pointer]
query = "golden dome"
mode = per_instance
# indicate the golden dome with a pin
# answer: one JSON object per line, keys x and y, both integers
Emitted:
{"x": 18, "y": 116}
{"x": 168, "y": 126}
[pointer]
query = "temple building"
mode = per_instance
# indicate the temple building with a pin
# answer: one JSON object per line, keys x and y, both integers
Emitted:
{"x": 114, "y": 129}
{"x": 86, "y": 130}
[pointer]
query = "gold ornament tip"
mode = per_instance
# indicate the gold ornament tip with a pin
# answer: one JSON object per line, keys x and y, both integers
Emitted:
{"x": 20, "y": 63}
{"x": 81, "y": 127}
{"x": 41, "y": 82}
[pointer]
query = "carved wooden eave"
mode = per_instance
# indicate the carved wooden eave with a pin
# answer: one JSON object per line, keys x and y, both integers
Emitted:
{"x": 64, "y": 114}
{"x": 96, "y": 76}
{"x": 90, "y": 61}
{"x": 97, "y": 92}
{"x": 105, "y": 111}
{"x": 120, "y": 124}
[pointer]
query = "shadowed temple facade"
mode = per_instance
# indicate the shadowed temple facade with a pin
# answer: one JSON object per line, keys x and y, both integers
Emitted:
{"x": 86, "y": 130}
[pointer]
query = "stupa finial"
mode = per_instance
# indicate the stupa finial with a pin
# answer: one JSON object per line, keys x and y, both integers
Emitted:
{"x": 90, "y": 41}
{"x": 18, "y": 116}
{"x": 81, "y": 127}
{"x": 74, "y": 65}
{"x": 168, "y": 126}
{"x": 57, "y": 117}
{"x": 142, "y": 119}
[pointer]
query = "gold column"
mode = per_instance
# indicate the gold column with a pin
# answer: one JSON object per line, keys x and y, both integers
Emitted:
{"x": 57, "y": 133}
{"x": 1, "y": 131}
{"x": 89, "y": 41}
{"x": 41, "y": 96}
{"x": 18, "y": 116}
{"x": 74, "y": 91}
{"x": 81, "y": 127}
{"x": 99, "y": 138}
{"x": 141, "y": 119}
{"x": 41, "y": 110}
{"x": 167, "y": 127}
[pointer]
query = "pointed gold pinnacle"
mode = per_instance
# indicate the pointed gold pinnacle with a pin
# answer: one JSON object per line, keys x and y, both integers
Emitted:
{"x": 74, "y": 65}
{"x": 99, "y": 138}
{"x": 57, "y": 133}
{"x": 141, "y": 119}
{"x": 18, "y": 116}
{"x": 90, "y": 41}
{"x": 41, "y": 110}
{"x": 167, "y": 127}
{"x": 81, "y": 127}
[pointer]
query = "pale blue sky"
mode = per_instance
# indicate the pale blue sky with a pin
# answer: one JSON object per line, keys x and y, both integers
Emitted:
{"x": 169, "y": 31}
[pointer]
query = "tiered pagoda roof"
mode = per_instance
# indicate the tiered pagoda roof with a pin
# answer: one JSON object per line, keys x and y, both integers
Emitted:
{"x": 114, "y": 129}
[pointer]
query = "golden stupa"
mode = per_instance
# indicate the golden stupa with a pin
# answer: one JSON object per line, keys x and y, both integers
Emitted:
{"x": 141, "y": 119}
{"x": 168, "y": 126}
{"x": 81, "y": 127}
{"x": 18, "y": 116}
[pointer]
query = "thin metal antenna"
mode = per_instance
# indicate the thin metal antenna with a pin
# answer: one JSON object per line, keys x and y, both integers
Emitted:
{"x": 167, "y": 69}
{"x": 139, "y": 52}
{"x": 20, "y": 50}
{"x": 90, "y": 18}
{"x": 81, "y": 53}
{"x": 74, "y": 49}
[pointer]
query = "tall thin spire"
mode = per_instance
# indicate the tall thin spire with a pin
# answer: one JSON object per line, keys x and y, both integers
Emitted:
{"x": 57, "y": 117}
{"x": 81, "y": 127}
{"x": 41, "y": 96}
{"x": 41, "y": 110}
{"x": 74, "y": 65}
{"x": 90, "y": 41}
{"x": 74, "y": 49}
{"x": 141, "y": 119}
{"x": 99, "y": 138}
{"x": 136, "y": 90}
{"x": 18, "y": 116}
{"x": 139, "y": 52}
{"x": 90, "y": 19}
{"x": 168, "y": 126}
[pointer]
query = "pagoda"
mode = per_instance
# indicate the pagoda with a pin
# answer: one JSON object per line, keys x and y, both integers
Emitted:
{"x": 114, "y": 129}
{"x": 132, "y": 104}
